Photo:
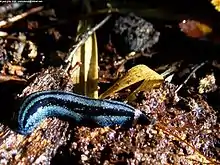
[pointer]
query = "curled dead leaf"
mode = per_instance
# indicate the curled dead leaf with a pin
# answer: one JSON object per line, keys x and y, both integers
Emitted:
{"x": 135, "y": 75}
{"x": 194, "y": 29}
{"x": 5, "y": 78}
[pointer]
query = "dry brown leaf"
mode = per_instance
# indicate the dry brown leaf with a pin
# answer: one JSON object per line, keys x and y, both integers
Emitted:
{"x": 5, "y": 78}
{"x": 195, "y": 29}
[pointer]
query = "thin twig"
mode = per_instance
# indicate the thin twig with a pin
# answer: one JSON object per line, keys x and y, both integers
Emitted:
{"x": 21, "y": 16}
{"x": 190, "y": 75}
{"x": 69, "y": 58}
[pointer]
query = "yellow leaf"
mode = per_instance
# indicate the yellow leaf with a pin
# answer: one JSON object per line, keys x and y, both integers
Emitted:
{"x": 85, "y": 77}
{"x": 134, "y": 75}
{"x": 216, "y": 3}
